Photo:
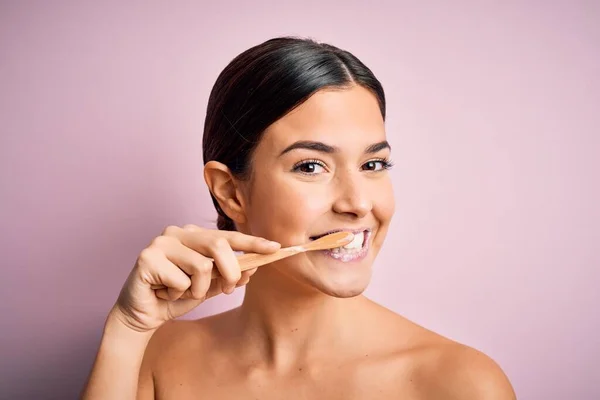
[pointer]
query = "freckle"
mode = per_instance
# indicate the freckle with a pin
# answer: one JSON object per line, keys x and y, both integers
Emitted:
{"x": 300, "y": 369}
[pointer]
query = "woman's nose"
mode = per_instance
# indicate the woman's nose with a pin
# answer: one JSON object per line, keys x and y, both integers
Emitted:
{"x": 352, "y": 197}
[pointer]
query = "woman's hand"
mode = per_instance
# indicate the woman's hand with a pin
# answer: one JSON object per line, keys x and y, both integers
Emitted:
{"x": 180, "y": 260}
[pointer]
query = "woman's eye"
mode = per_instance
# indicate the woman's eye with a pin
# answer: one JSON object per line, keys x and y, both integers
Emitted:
{"x": 376, "y": 165}
{"x": 310, "y": 167}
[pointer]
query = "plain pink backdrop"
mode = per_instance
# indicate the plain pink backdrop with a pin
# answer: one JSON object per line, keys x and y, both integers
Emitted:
{"x": 494, "y": 117}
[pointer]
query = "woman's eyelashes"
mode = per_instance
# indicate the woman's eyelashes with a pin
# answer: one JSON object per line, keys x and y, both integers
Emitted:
{"x": 383, "y": 163}
{"x": 314, "y": 167}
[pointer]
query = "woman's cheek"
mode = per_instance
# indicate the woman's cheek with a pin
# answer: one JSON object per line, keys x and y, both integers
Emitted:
{"x": 384, "y": 203}
{"x": 299, "y": 203}
{"x": 388, "y": 206}
{"x": 298, "y": 209}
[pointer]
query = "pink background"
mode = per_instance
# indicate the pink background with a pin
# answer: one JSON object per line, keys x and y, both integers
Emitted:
{"x": 494, "y": 116}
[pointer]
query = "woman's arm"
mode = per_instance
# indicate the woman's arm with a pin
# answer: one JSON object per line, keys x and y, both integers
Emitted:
{"x": 116, "y": 369}
{"x": 171, "y": 276}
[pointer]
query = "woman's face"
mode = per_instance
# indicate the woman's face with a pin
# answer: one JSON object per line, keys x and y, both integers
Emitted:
{"x": 322, "y": 168}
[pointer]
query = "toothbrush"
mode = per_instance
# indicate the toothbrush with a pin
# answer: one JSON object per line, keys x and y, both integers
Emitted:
{"x": 252, "y": 260}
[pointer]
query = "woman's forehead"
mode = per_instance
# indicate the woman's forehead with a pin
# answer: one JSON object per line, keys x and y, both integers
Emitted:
{"x": 336, "y": 116}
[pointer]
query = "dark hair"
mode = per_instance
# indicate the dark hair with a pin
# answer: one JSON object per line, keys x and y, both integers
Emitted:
{"x": 263, "y": 84}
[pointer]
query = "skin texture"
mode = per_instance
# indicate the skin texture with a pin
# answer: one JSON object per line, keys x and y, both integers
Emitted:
{"x": 304, "y": 330}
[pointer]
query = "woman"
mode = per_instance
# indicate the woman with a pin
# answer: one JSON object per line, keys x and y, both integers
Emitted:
{"x": 294, "y": 148}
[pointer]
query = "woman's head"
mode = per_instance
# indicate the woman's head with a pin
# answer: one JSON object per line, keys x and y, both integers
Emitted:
{"x": 294, "y": 147}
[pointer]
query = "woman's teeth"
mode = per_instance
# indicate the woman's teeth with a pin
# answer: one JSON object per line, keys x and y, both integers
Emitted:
{"x": 357, "y": 242}
{"x": 352, "y": 247}
{"x": 356, "y": 250}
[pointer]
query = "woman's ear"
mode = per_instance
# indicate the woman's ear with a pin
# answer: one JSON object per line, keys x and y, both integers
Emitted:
{"x": 222, "y": 186}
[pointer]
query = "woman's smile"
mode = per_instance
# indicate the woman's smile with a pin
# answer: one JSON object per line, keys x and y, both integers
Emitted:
{"x": 354, "y": 251}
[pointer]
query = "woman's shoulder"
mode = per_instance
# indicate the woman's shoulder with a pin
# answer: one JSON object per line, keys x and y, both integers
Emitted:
{"x": 449, "y": 370}
{"x": 176, "y": 340}
{"x": 443, "y": 368}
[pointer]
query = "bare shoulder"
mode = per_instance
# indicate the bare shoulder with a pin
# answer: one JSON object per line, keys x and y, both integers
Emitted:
{"x": 175, "y": 341}
{"x": 182, "y": 336}
{"x": 169, "y": 356}
{"x": 172, "y": 336}
{"x": 436, "y": 367}
{"x": 461, "y": 372}
{"x": 450, "y": 370}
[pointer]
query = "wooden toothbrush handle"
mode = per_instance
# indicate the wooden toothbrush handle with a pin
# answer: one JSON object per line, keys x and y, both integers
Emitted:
{"x": 252, "y": 260}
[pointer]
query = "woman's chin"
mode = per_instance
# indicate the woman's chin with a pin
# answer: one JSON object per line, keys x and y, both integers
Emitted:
{"x": 334, "y": 278}
{"x": 344, "y": 285}
{"x": 345, "y": 292}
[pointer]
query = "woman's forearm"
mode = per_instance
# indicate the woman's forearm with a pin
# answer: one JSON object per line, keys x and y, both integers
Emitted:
{"x": 117, "y": 366}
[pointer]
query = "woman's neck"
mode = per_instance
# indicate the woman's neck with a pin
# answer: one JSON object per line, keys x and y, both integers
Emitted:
{"x": 290, "y": 323}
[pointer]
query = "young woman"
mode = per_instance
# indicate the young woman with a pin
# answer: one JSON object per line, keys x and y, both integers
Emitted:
{"x": 294, "y": 148}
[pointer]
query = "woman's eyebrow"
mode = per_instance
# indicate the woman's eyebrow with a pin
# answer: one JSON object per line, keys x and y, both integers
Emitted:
{"x": 374, "y": 148}
{"x": 325, "y": 148}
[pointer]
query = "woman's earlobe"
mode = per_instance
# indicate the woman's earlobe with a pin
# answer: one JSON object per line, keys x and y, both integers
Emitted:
{"x": 222, "y": 185}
